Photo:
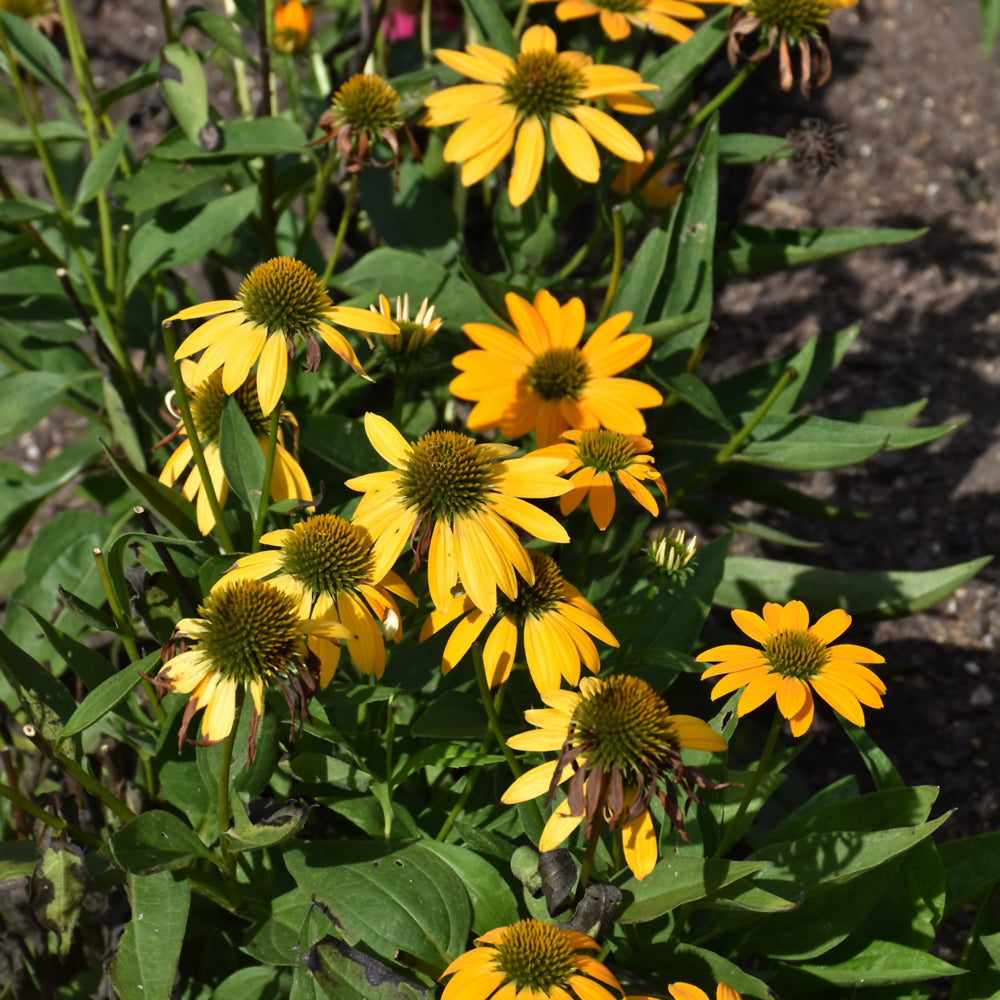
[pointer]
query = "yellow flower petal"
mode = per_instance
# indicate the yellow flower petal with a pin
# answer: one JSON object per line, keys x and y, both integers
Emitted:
{"x": 529, "y": 155}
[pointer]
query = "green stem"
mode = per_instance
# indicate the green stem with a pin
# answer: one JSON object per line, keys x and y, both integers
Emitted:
{"x": 663, "y": 153}
{"x": 73, "y": 770}
{"x": 352, "y": 194}
{"x": 239, "y": 69}
{"x": 168, "y": 23}
{"x": 181, "y": 399}
{"x": 588, "y": 858}
{"x": 265, "y": 490}
{"x": 78, "y": 61}
{"x": 618, "y": 255}
{"x": 49, "y": 819}
{"x": 267, "y": 218}
{"x": 473, "y": 776}
{"x": 121, "y": 265}
{"x": 522, "y": 13}
{"x": 736, "y": 441}
{"x": 122, "y": 620}
{"x": 732, "y": 831}
{"x": 315, "y": 200}
{"x": 583, "y": 253}
{"x": 491, "y": 713}
{"x": 425, "y": 32}
{"x": 222, "y": 796}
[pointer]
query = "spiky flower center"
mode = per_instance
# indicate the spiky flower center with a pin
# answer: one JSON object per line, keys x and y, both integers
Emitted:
{"x": 535, "y": 956}
{"x": 605, "y": 451}
{"x": 795, "y": 654}
{"x": 538, "y": 598}
{"x": 328, "y": 555}
{"x": 249, "y": 631}
{"x": 447, "y": 476}
{"x": 415, "y": 334}
{"x": 559, "y": 373}
{"x": 208, "y": 399}
{"x": 367, "y": 103}
{"x": 542, "y": 84}
{"x": 672, "y": 553}
{"x": 797, "y": 18}
{"x": 623, "y": 723}
{"x": 284, "y": 295}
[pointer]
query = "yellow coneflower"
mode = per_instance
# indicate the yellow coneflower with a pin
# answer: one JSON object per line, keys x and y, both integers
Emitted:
{"x": 280, "y": 303}
{"x": 540, "y": 379}
{"x": 619, "y": 17}
{"x": 789, "y": 23}
{"x": 207, "y": 399}
{"x": 325, "y": 563}
{"x": 796, "y": 659}
{"x": 453, "y": 499}
{"x": 619, "y": 746}
{"x": 248, "y": 636}
{"x": 657, "y": 192}
{"x": 594, "y": 460}
{"x": 552, "y": 619}
{"x": 516, "y": 103}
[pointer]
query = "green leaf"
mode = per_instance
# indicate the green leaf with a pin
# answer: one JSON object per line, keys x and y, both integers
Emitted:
{"x": 971, "y": 868}
{"x": 688, "y": 276}
{"x": 175, "y": 238}
{"x": 678, "y": 880}
{"x": 157, "y": 182}
{"x": 674, "y": 619}
{"x": 989, "y": 24}
{"x": 157, "y": 841}
{"x": 748, "y": 147}
{"x": 699, "y": 396}
{"x": 102, "y": 168}
{"x": 344, "y": 973}
{"x": 187, "y": 97}
{"x": 875, "y": 811}
{"x": 443, "y": 754}
{"x": 756, "y": 250}
{"x": 171, "y": 507}
{"x": 257, "y": 137}
{"x": 17, "y": 858}
{"x": 27, "y": 397}
{"x": 676, "y": 69}
{"x": 322, "y": 769}
{"x": 392, "y": 897}
{"x": 151, "y": 945}
{"x": 811, "y": 443}
{"x": 34, "y": 52}
{"x": 493, "y": 903}
{"x": 34, "y": 683}
{"x": 876, "y": 963}
{"x": 749, "y": 582}
{"x": 58, "y": 889}
{"x": 220, "y": 29}
{"x": 339, "y": 440}
{"x": 492, "y": 25}
{"x": 242, "y": 457}
{"x": 452, "y": 716}
{"x": 256, "y": 983}
{"x": 106, "y": 696}
{"x": 275, "y": 941}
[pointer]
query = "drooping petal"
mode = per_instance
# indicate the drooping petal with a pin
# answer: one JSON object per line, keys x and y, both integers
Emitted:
{"x": 529, "y": 155}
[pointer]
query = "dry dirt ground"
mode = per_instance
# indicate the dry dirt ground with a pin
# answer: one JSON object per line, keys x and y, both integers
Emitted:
{"x": 919, "y": 149}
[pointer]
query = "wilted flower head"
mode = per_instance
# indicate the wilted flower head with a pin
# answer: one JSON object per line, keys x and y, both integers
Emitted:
{"x": 292, "y": 22}
{"x": 788, "y": 23}
{"x": 248, "y": 636}
{"x": 619, "y": 747}
{"x": 365, "y": 109}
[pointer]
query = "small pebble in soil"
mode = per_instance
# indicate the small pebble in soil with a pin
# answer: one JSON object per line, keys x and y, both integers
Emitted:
{"x": 981, "y": 697}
